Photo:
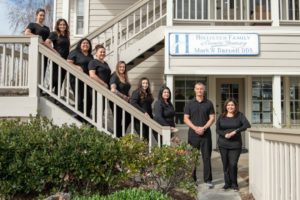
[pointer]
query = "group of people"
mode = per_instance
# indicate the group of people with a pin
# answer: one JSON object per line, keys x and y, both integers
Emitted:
{"x": 199, "y": 113}
{"x": 97, "y": 69}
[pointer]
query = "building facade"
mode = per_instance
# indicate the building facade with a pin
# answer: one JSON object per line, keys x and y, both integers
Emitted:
{"x": 245, "y": 49}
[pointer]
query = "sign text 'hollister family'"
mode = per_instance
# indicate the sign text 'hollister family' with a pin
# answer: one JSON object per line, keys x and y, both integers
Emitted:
{"x": 235, "y": 44}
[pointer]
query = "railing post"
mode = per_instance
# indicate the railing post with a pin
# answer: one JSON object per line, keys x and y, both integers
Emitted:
{"x": 33, "y": 69}
{"x": 275, "y": 12}
{"x": 277, "y": 119}
{"x": 170, "y": 11}
{"x": 116, "y": 42}
{"x": 33, "y": 66}
{"x": 166, "y": 136}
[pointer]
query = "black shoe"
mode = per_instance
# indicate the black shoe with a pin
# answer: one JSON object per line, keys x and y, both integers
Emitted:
{"x": 226, "y": 187}
{"x": 235, "y": 189}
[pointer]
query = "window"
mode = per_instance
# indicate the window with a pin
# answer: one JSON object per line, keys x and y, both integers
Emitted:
{"x": 262, "y": 104}
{"x": 79, "y": 17}
{"x": 295, "y": 100}
{"x": 184, "y": 91}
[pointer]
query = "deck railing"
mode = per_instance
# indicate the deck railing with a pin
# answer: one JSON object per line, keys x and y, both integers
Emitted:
{"x": 289, "y": 11}
{"x": 14, "y": 62}
{"x": 274, "y": 164}
{"x": 222, "y": 10}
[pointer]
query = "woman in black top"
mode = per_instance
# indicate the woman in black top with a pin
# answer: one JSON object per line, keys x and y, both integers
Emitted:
{"x": 38, "y": 28}
{"x": 229, "y": 127}
{"x": 98, "y": 68}
{"x": 164, "y": 112}
{"x": 119, "y": 84}
{"x": 60, "y": 40}
{"x": 142, "y": 99}
{"x": 80, "y": 58}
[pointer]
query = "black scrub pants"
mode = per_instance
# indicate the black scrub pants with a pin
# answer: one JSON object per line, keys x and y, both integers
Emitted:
{"x": 204, "y": 144}
{"x": 80, "y": 96}
{"x": 230, "y": 158}
{"x": 55, "y": 77}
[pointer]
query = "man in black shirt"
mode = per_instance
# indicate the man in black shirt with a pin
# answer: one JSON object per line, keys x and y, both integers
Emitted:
{"x": 199, "y": 115}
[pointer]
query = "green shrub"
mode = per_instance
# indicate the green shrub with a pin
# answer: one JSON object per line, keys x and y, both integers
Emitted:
{"x": 171, "y": 167}
{"x": 38, "y": 157}
{"x": 129, "y": 194}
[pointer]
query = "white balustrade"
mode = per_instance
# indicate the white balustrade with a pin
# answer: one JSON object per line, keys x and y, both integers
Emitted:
{"x": 274, "y": 164}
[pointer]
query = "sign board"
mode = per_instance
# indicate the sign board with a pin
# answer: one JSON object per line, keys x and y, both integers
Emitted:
{"x": 213, "y": 44}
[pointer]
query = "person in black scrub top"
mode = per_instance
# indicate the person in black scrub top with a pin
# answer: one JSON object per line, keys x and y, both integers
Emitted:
{"x": 80, "y": 58}
{"x": 119, "y": 84}
{"x": 164, "y": 111}
{"x": 199, "y": 115}
{"x": 59, "y": 42}
{"x": 229, "y": 127}
{"x": 38, "y": 27}
{"x": 98, "y": 68}
{"x": 142, "y": 99}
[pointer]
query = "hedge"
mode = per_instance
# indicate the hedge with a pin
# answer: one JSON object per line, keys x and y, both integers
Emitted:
{"x": 39, "y": 158}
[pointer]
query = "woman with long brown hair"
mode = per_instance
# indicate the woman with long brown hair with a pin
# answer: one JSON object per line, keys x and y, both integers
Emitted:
{"x": 59, "y": 42}
{"x": 119, "y": 84}
{"x": 142, "y": 99}
{"x": 230, "y": 126}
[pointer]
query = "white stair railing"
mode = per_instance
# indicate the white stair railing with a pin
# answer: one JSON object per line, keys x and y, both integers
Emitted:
{"x": 102, "y": 100}
{"x": 14, "y": 62}
{"x": 128, "y": 27}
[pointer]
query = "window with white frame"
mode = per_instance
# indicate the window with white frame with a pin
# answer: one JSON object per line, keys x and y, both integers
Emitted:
{"x": 262, "y": 103}
{"x": 79, "y": 17}
{"x": 295, "y": 100}
{"x": 184, "y": 92}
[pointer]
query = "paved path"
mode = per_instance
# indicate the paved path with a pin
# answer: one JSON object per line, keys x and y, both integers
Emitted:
{"x": 217, "y": 193}
{"x": 217, "y": 172}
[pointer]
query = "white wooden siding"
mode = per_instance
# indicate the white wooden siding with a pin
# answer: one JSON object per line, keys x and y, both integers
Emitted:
{"x": 152, "y": 68}
{"x": 102, "y": 11}
{"x": 59, "y": 9}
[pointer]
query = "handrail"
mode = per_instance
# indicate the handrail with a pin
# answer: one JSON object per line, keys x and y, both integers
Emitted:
{"x": 101, "y": 89}
{"x": 274, "y": 134}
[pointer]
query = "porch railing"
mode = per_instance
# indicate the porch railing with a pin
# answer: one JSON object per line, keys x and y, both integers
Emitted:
{"x": 14, "y": 62}
{"x": 274, "y": 164}
{"x": 222, "y": 10}
{"x": 289, "y": 11}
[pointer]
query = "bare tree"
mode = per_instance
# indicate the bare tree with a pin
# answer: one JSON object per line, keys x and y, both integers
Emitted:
{"x": 22, "y": 12}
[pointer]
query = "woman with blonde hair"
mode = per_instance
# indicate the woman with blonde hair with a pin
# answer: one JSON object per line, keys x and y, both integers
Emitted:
{"x": 120, "y": 85}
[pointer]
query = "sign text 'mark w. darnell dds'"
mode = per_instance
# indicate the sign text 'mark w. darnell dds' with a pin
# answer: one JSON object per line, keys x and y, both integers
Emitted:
{"x": 215, "y": 44}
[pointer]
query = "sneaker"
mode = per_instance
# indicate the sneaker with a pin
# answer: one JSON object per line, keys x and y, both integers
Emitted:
{"x": 235, "y": 189}
{"x": 225, "y": 187}
{"x": 209, "y": 185}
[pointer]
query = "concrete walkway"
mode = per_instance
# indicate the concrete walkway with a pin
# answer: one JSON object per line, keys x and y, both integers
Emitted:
{"x": 217, "y": 172}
